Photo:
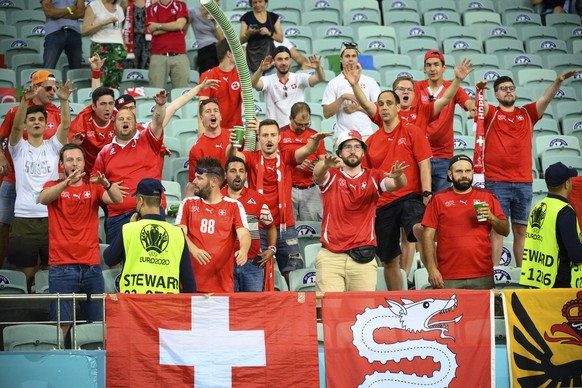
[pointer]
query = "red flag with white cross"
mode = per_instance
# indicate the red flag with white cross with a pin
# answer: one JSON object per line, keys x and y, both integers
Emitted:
{"x": 231, "y": 340}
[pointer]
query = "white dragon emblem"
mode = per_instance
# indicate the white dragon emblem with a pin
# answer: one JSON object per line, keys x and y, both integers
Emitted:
{"x": 413, "y": 317}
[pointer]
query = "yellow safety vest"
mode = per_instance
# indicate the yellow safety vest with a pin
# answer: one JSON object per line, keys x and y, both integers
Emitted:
{"x": 541, "y": 251}
{"x": 153, "y": 250}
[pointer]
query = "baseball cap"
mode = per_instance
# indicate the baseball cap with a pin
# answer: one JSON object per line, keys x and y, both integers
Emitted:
{"x": 41, "y": 76}
{"x": 455, "y": 159}
{"x": 434, "y": 54}
{"x": 558, "y": 173}
{"x": 351, "y": 134}
{"x": 123, "y": 100}
{"x": 348, "y": 45}
{"x": 149, "y": 187}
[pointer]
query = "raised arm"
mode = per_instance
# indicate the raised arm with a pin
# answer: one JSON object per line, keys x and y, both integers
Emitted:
{"x": 352, "y": 74}
{"x": 96, "y": 68}
{"x": 112, "y": 194}
{"x": 20, "y": 116}
{"x": 302, "y": 153}
{"x": 319, "y": 75}
{"x": 265, "y": 65}
{"x": 543, "y": 102}
{"x": 188, "y": 96}
{"x": 159, "y": 114}
{"x": 483, "y": 85}
{"x": 63, "y": 93}
{"x": 49, "y": 194}
{"x": 461, "y": 72}
{"x": 395, "y": 179}
{"x": 321, "y": 169}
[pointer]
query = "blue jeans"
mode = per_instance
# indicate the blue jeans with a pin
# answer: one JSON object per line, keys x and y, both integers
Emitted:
{"x": 439, "y": 169}
{"x": 515, "y": 199}
{"x": 115, "y": 224}
{"x": 288, "y": 252}
{"x": 77, "y": 278}
{"x": 56, "y": 42}
{"x": 249, "y": 277}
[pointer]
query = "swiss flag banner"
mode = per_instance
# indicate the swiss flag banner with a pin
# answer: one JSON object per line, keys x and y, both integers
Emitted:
{"x": 431, "y": 338}
{"x": 229, "y": 340}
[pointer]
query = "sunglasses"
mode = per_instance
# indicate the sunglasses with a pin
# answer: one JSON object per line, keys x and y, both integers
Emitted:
{"x": 350, "y": 44}
{"x": 431, "y": 98}
{"x": 48, "y": 88}
{"x": 200, "y": 171}
{"x": 507, "y": 88}
{"x": 285, "y": 91}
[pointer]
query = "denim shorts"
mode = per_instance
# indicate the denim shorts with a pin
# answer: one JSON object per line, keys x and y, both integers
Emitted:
{"x": 288, "y": 254}
{"x": 439, "y": 168}
{"x": 7, "y": 199}
{"x": 514, "y": 197}
{"x": 80, "y": 279}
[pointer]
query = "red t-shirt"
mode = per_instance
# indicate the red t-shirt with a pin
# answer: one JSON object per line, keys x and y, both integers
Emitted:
{"x": 73, "y": 225}
{"x": 212, "y": 227}
{"x": 406, "y": 143}
{"x": 440, "y": 131}
{"x": 96, "y": 137}
{"x": 463, "y": 243}
{"x": 292, "y": 141}
{"x": 129, "y": 164}
{"x": 53, "y": 121}
{"x": 208, "y": 147}
{"x": 420, "y": 115}
{"x": 349, "y": 210}
{"x": 258, "y": 216}
{"x": 575, "y": 198}
{"x": 270, "y": 184}
{"x": 508, "y": 149}
{"x": 228, "y": 95}
{"x": 171, "y": 41}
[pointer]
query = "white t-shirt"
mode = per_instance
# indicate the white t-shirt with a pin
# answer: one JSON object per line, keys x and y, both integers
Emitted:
{"x": 279, "y": 97}
{"x": 357, "y": 120}
{"x": 33, "y": 167}
{"x": 111, "y": 33}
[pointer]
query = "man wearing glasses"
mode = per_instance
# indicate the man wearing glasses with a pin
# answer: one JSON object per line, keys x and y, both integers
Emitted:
{"x": 284, "y": 88}
{"x": 305, "y": 195}
{"x": 338, "y": 98}
{"x": 211, "y": 223}
{"x": 44, "y": 97}
{"x": 509, "y": 131}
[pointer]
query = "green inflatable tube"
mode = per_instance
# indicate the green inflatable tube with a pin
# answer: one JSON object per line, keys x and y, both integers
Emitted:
{"x": 241, "y": 65}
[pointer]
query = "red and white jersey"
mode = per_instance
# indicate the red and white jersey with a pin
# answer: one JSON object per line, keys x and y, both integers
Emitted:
{"x": 228, "y": 95}
{"x": 463, "y": 244}
{"x": 130, "y": 163}
{"x": 349, "y": 209}
{"x": 171, "y": 41}
{"x": 440, "y": 132}
{"x": 508, "y": 143}
{"x": 406, "y": 143}
{"x": 53, "y": 121}
{"x": 258, "y": 216}
{"x": 96, "y": 137}
{"x": 208, "y": 147}
{"x": 73, "y": 224}
{"x": 212, "y": 228}
{"x": 293, "y": 141}
{"x": 420, "y": 115}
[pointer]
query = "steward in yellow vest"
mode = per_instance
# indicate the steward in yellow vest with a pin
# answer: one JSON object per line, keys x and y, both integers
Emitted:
{"x": 552, "y": 255}
{"x": 157, "y": 260}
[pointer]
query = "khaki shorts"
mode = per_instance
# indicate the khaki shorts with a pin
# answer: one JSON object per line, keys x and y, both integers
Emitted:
{"x": 482, "y": 283}
{"x": 339, "y": 272}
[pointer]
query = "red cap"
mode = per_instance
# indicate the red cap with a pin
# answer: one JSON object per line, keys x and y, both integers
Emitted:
{"x": 434, "y": 54}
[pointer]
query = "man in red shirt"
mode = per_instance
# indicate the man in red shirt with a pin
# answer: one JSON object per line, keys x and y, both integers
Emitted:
{"x": 251, "y": 276}
{"x": 270, "y": 173}
{"x": 167, "y": 20}
{"x": 129, "y": 158}
{"x": 507, "y": 155}
{"x": 45, "y": 95}
{"x": 211, "y": 223}
{"x": 305, "y": 196}
{"x": 463, "y": 245}
{"x": 228, "y": 92}
{"x": 575, "y": 197}
{"x": 94, "y": 125}
{"x": 440, "y": 131}
{"x": 73, "y": 204}
{"x": 346, "y": 261}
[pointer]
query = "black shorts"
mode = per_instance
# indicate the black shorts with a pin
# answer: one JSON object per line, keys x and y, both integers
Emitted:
{"x": 28, "y": 242}
{"x": 404, "y": 212}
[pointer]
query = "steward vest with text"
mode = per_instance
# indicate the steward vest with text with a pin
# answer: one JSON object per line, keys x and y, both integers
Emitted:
{"x": 153, "y": 250}
{"x": 541, "y": 251}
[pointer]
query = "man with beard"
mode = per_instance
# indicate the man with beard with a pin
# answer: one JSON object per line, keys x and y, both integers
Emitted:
{"x": 251, "y": 276}
{"x": 284, "y": 88}
{"x": 211, "y": 223}
{"x": 508, "y": 135}
{"x": 73, "y": 218}
{"x": 346, "y": 261}
{"x": 130, "y": 157}
{"x": 462, "y": 217}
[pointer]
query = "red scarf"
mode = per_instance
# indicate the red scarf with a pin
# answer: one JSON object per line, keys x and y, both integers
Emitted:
{"x": 280, "y": 189}
{"x": 479, "y": 132}
{"x": 127, "y": 30}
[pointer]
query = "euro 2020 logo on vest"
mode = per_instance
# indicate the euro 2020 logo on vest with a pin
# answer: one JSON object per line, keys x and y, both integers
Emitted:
{"x": 537, "y": 216}
{"x": 154, "y": 238}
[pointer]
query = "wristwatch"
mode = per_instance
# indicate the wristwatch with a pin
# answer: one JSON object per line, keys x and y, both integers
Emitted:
{"x": 273, "y": 248}
{"x": 426, "y": 193}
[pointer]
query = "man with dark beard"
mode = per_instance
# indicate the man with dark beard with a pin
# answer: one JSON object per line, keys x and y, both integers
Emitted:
{"x": 509, "y": 130}
{"x": 462, "y": 217}
{"x": 346, "y": 261}
{"x": 211, "y": 223}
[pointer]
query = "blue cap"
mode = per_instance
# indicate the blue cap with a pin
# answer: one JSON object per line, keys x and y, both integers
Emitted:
{"x": 558, "y": 173}
{"x": 149, "y": 187}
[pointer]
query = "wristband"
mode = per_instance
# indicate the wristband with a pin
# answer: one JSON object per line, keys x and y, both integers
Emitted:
{"x": 108, "y": 187}
{"x": 96, "y": 74}
{"x": 159, "y": 27}
{"x": 70, "y": 10}
{"x": 273, "y": 248}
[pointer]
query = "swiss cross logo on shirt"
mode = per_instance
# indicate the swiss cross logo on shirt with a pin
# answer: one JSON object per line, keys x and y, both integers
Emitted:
{"x": 222, "y": 212}
{"x": 90, "y": 133}
{"x": 194, "y": 209}
{"x": 65, "y": 194}
{"x": 402, "y": 140}
{"x": 235, "y": 85}
{"x": 87, "y": 194}
{"x": 110, "y": 134}
{"x": 520, "y": 117}
{"x": 50, "y": 125}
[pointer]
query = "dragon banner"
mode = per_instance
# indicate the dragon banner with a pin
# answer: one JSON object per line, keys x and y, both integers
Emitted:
{"x": 432, "y": 338}
{"x": 544, "y": 337}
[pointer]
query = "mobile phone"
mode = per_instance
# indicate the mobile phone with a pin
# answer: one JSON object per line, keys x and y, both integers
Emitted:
{"x": 256, "y": 261}
{"x": 254, "y": 26}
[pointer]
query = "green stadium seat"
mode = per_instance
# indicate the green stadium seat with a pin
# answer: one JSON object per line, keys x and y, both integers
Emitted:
{"x": 417, "y": 46}
{"x": 12, "y": 47}
{"x": 401, "y": 19}
{"x": 390, "y": 75}
{"x": 546, "y": 46}
{"x": 563, "y": 19}
{"x": 489, "y": 75}
{"x": 464, "y": 145}
{"x": 559, "y": 145}
{"x": 302, "y": 280}
{"x": 330, "y": 5}
{"x": 399, "y": 5}
{"x": 546, "y": 126}
{"x": 321, "y": 16}
{"x": 374, "y": 46}
{"x": 563, "y": 62}
{"x": 297, "y": 33}
{"x": 88, "y": 336}
{"x": 81, "y": 78}
{"x": 452, "y": 32}
{"x": 501, "y": 46}
{"x": 310, "y": 254}
{"x": 481, "y": 19}
{"x": 32, "y": 337}
{"x": 19, "y": 18}
{"x": 41, "y": 282}
{"x": 520, "y": 18}
{"x": 523, "y": 6}
{"x": 536, "y": 77}
{"x": 388, "y": 61}
{"x": 570, "y": 34}
{"x": 463, "y": 46}
{"x": 526, "y": 33}
{"x": 359, "y": 16}
{"x": 515, "y": 62}
{"x": 111, "y": 278}
{"x": 32, "y": 30}
{"x": 492, "y": 32}
{"x": 405, "y": 33}
{"x": 8, "y": 78}
{"x": 7, "y": 32}
{"x": 464, "y": 6}
{"x": 441, "y": 18}
{"x": 571, "y": 161}
{"x": 12, "y": 282}
{"x": 334, "y": 31}
{"x": 441, "y": 5}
